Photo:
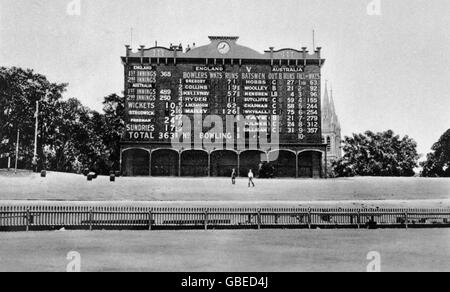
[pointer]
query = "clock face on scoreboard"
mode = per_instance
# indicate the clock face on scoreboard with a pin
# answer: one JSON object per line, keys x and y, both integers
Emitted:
{"x": 223, "y": 48}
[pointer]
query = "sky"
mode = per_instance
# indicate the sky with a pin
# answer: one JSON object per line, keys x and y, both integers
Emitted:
{"x": 389, "y": 66}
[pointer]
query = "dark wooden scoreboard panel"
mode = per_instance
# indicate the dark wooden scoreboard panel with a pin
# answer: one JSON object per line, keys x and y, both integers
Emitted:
{"x": 157, "y": 96}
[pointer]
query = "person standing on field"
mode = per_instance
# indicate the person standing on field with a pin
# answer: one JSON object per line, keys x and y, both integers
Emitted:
{"x": 250, "y": 178}
{"x": 233, "y": 177}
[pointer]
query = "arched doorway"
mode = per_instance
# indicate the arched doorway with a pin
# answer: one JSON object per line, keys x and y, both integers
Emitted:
{"x": 194, "y": 163}
{"x": 310, "y": 164}
{"x": 165, "y": 162}
{"x": 136, "y": 162}
{"x": 223, "y": 162}
{"x": 284, "y": 163}
{"x": 251, "y": 159}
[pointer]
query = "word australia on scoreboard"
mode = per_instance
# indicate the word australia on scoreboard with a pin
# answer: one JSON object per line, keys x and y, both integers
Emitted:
{"x": 275, "y": 91}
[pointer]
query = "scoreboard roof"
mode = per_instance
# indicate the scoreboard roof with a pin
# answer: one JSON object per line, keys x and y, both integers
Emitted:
{"x": 233, "y": 51}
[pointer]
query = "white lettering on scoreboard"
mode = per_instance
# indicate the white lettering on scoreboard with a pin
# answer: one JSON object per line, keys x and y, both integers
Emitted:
{"x": 158, "y": 97}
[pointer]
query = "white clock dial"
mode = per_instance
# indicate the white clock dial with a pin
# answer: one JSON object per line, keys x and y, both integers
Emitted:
{"x": 223, "y": 48}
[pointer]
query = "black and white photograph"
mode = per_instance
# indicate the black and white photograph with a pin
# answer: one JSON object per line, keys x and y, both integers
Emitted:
{"x": 234, "y": 139}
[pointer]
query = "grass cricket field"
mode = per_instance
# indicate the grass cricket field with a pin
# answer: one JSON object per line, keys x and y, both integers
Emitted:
{"x": 398, "y": 192}
{"x": 228, "y": 251}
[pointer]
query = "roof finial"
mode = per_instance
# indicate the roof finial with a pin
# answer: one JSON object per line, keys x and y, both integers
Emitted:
{"x": 314, "y": 39}
{"x": 326, "y": 100}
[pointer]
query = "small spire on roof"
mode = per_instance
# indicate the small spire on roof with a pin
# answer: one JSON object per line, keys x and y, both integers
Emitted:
{"x": 332, "y": 107}
{"x": 326, "y": 99}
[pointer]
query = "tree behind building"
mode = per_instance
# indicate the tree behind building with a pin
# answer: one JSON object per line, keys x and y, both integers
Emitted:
{"x": 438, "y": 161}
{"x": 377, "y": 154}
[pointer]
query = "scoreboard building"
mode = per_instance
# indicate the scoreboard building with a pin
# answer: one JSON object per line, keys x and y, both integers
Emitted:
{"x": 275, "y": 94}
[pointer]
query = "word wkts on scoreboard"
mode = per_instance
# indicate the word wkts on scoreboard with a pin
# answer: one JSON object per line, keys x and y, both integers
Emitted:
{"x": 157, "y": 96}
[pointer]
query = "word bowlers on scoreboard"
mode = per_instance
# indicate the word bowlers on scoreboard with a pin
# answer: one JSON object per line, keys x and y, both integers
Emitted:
{"x": 159, "y": 95}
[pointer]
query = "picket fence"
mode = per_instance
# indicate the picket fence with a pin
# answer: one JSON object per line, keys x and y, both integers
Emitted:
{"x": 52, "y": 217}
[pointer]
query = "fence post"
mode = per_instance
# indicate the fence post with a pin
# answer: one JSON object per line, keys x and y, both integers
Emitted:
{"x": 91, "y": 218}
{"x": 150, "y": 219}
{"x": 206, "y": 220}
{"x": 28, "y": 220}
{"x": 259, "y": 219}
{"x": 406, "y": 219}
{"x": 359, "y": 219}
{"x": 309, "y": 218}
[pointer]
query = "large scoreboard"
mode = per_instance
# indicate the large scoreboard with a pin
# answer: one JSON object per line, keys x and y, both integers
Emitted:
{"x": 272, "y": 94}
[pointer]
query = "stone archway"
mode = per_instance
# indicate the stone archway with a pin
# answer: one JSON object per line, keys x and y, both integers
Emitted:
{"x": 284, "y": 162}
{"x": 223, "y": 162}
{"x": 194, "y": 163}
{"x": 136, "y": 162}
{"x": 310, "y": 164}
{"x": 251, "y": 159}
{"x": 165, "y": 162}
